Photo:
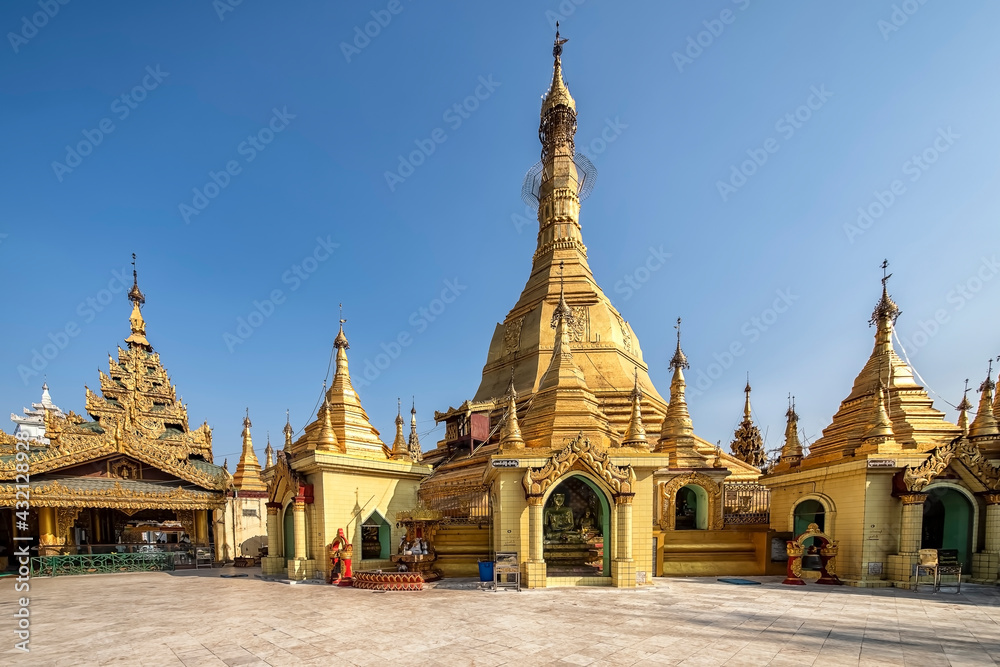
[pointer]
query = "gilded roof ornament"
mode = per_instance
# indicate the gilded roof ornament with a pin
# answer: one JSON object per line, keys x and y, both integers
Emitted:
{"x": 963, "y": 410}
{"x": 399, "y": 448}
{"x": 679, "y": 360}
{"x": 791, "y": 452}
{"x": 510, "y": 432}
{"x": 340, "y": 342}
{"x": 558, "y": 93}
{"x": 288, "y": 431}
{"x": 137, "y": 323}
{"x": 885, "y": 308}
{"x": 414, "y": 442}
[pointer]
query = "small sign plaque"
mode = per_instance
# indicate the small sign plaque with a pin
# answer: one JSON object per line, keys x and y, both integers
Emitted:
{"x": 505, "y": 463}
{"x": 881, "y": 463}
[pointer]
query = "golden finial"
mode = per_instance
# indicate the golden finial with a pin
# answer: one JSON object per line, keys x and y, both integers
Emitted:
{"x": 558, "y": 94}
{"x": 340, "y": 341}
{"x": 246, "y": 420}
{"x": 886, "y": 307}
{"x": 562, "y": 311}
{"x": 135, "y": 295}
{"x": 288, "y": 430}
{"x": 679, "y": 360}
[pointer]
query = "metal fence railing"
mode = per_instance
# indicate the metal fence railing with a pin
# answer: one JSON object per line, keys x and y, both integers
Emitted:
{"x": 746, "y": 503}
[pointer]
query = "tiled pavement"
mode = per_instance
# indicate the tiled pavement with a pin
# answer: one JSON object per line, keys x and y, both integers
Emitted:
{"x": 198, "y": 618}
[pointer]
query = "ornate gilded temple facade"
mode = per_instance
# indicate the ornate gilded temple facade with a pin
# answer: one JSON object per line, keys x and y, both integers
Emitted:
{"x": 891, "y": 476}
{"x": 95, "y": 481}
{"x": 338, "y": 477}
{"x": 567, "y": 455}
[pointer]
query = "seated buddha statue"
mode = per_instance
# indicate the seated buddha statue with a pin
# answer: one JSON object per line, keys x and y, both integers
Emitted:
{"x": 558, "y": 520}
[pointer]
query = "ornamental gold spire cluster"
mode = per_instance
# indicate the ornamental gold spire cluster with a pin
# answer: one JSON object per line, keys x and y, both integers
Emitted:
{"x": 985, "y": 423}
{"x": 748, "y": 445}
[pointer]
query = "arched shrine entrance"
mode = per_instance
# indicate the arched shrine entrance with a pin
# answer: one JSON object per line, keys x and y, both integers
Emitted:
{"x": 576, "y": 523}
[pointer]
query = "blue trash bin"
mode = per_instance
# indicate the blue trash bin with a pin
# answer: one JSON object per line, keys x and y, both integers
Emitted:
{"x": 485, "y": 570}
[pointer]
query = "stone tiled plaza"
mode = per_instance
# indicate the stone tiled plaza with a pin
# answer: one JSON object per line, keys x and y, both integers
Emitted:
{"x": 199, "y": 618}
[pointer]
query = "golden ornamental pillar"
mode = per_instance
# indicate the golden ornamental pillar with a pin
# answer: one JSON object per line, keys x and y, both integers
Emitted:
{"x": 201, "y": 527}
{"x": 299, "y": 528}
{"x": 47, "y": 531}
{"x": 912, "y": 523}
{"x": 273, "y": 532}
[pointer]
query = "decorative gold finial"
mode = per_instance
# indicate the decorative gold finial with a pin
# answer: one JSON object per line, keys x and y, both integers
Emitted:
{"x": 288, "y": 430}
{"x": 246, "y": 420}
{"x": 340, "y": 342}
{"x": 985, "y": 423}
{"x": 886, "y": 308}
{"x": 557, "y": 47}
{"x": 562, "y": 311}
{"x": 135, "y": 295}
{"x": 558, "y": 94}
{"x": 679, "y": 360}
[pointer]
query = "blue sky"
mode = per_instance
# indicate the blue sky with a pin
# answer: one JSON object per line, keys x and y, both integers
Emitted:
{"x": 689, "y": 92}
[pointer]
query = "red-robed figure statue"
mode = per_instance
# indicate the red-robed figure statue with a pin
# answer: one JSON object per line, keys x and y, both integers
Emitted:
{"x": 341, "y": 552}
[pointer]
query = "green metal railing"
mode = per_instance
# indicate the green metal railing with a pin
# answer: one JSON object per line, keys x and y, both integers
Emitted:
{"x": 55, "y": 566}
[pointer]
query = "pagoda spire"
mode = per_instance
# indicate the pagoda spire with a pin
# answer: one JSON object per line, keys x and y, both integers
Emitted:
{"x": 288, "y": 432}
{"x": 138, "y": 337}
{"x": 677, "y": 429}
{"x": 748, "y": 445}
{"x": 963, "y": 410}
{"x": 510, "y": 432}
{"x": 562, "y": 370}
{"x": 247, "y": 476}
{"x": 559, "y": 189}
{"x": 985, "y": 423}
{"x": 355, "y": 432}
{"x": 879, "y": 438}
{"x": 399, "y": 449}
{"x": 791, "y": 452}
{"x": 884, "y": 316}
{"x": 635, "y": 435}
{"x": 413, "y": 445}
{"x": 268, "y": 453}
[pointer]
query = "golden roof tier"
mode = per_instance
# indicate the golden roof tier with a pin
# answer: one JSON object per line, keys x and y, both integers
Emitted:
{"x": 341, "y": 424}
{"x": 605, "y": 349}
{"x": 915, "y": 425}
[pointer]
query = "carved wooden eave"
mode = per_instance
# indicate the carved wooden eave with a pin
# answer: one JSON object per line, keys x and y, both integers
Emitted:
{"x": 117, "y": 496}
{"x": 579, "y": 454}
{"x": 964, "y": 458}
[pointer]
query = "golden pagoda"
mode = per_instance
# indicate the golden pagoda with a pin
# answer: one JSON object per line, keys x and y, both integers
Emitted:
{"x": 131, "y": 465}
{"x": 891, "y": 476}
{"x": 553, "y": 450}
{"x": 336, "y": 476}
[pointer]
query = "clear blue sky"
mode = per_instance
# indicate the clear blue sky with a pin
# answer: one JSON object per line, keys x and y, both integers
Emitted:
{"x": 679, "y": 127}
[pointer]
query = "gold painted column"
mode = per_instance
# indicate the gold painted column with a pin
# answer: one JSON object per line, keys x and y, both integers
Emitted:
{"x": 534, "y": 567}
{"x": 47, "y": 531}
{"x": 912, "y": 523}
{"x": 201, "y": 527}
{"x": 299, "y": 529}
{"x": 623, "y": 567}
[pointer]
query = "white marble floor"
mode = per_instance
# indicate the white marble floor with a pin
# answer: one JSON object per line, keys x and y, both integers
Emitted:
{"x": 199, "y": 618}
